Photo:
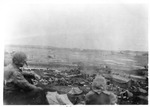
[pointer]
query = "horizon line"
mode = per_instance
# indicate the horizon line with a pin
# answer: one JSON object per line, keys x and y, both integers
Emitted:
{"x": 48, "y": 46}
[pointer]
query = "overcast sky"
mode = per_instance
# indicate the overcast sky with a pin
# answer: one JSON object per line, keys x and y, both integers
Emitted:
{"x": 85, "y": 26}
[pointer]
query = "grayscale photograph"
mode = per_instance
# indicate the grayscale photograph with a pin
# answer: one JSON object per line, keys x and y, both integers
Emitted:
{"x": 75, "y": 53}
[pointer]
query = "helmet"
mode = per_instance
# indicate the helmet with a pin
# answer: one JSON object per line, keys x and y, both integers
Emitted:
{"x": 19, "y": 59}
{"x": 99, "y": 84}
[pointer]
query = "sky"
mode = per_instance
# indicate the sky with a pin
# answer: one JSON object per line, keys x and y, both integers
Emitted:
{"x": 106, "y": 26}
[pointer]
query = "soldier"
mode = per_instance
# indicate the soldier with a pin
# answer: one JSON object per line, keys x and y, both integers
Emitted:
{"x": 99, "y": 95}
{"x": 16, "y": 86}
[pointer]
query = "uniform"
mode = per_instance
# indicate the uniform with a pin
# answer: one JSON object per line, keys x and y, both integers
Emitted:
{"x": 17, "y": 90}
{"x": 99, "y": 95}
{"x": 15, "y": 81}
{"x": 104, "y": 98}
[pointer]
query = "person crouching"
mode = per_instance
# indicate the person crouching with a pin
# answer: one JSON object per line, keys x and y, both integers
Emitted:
{"x": 99, "y": 95}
